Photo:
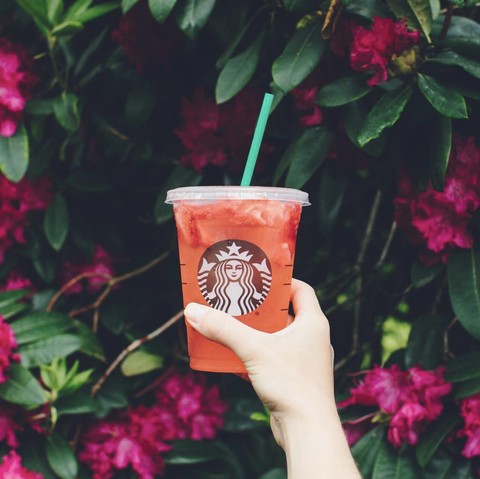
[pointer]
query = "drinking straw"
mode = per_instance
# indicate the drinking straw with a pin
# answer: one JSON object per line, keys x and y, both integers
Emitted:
{"x": 257, "y": 140}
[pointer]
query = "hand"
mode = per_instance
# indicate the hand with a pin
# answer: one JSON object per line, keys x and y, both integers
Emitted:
{"x": 291, "y": 370}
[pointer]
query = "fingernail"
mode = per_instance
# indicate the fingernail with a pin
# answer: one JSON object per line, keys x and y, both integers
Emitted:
{"x": 195, "y": 312}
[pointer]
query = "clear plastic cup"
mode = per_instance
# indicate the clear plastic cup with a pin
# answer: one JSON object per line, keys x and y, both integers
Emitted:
{"x": 236, "y": 246}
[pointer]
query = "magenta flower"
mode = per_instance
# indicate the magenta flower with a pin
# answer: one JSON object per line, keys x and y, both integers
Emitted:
{"x": 11, "y": 468}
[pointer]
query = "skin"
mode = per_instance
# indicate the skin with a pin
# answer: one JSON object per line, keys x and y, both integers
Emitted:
{"x": 292, "y": 373}
{"x": 234, "y": 269}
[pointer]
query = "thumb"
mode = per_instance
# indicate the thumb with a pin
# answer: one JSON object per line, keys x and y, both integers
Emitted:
{"x": 223, "y": 329}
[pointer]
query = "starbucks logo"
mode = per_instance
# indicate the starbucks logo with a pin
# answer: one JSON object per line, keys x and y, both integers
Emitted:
{"x": 234, "y": 276}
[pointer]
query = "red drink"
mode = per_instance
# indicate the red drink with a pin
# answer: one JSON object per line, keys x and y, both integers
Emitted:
{"x": 237, "y": 246}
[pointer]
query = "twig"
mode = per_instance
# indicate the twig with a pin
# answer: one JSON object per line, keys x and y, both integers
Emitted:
{"x": 336, "y": 278}
{"x": 438, "y": 296}
{"x": 139, "y": 271}
{"x": 341, "y": 286}
{"x": 446, "y": 350}
{"x": 388, "y": 243}
{"x": 447, "y": 21}
{"x": 369, "y": 229}
{"x": 155, "y": 383}
{"x": 132, "y": 347}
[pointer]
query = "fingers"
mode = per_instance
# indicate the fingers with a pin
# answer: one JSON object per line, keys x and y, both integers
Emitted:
{"x": 223, "y": 329}
{"x": 303, "y": 298}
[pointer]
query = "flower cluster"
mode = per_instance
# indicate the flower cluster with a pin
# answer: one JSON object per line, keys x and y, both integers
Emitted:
{"x": 146, "y": 43}
{"x": 219, "y": 134}
{"x": 439, "y": 220}
{"x": 470, "y": 412}
{"x": 11, "y": 468}
{"x": 15, "y": 280}
{"x": 17, "y": 200}
{"x": 7, "y": 344}
{"x": 185, "y": 408}
{"x": 101, "y": 264}
{"x": 16, "y": 83}
{"x": 375, "y": 49}
{"x": 304, "y": 96}
{"x": 409, "y": 400}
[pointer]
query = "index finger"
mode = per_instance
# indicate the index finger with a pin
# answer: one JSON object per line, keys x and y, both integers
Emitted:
{"x": 303, "y": 298}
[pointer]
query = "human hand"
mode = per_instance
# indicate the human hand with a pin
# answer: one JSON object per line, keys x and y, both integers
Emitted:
{"x": 291, "y": 370}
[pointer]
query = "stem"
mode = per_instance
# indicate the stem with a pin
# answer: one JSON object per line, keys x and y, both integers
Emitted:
{"x": 132, "y": 347}
{"x": 56, "y": 70}
{"x": 447, "y": 21}
{"x": 139, "y": 271}
{"x": 438, "y": 296}
{"x": 369, "y": 229}
{"x": 380, "y": 261}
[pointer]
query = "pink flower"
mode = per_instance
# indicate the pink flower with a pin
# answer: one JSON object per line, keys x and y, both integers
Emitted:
{"x": 17, "y": 200}
{"x": 439, "y": 220}
{"x": 355, "y": 430}
{"x": 15, "y": 281}
{"x": 219, "y": 135}
{"x": 8, "y": 425}
{"x": 470, "y": 412}
{"x": 342, "y": 36}
{"x": 7, "y": 344}
{"x": 373, "y": 50}
{"x": 11, "y": 468}
{"x": 101, "y": 263}
{"x": 410, "y": 400}
{"x": 16, "y": 83}
{"x": 147, "y": 44}
{"x": 304, "y": 96}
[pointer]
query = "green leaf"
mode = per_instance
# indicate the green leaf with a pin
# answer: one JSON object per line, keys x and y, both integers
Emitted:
{"x": 467, "y": 388}
{"x": 343, "y": 91}
{"x": 463, "y": 283}
{"x": 32, "y": 452}
{"x": 78, "y": 403}
{"x": 141, "y": 100}
{"x": 422, "y": 275}
{"x": 91, "y": 345}
{"x": 12, "y": 310}
{"x": 66, "y": 28}
{"x": 79, "y": 7}
{"x": 36, "y": 9}
{"x": 96, "y": 12}
{"x": 61, "y": 458}
{"x": 384, "y": 114}
{"x": 238, "y": 417}
{"x": 141, "y": 362}
{"x": 300, "y": 6}
{"x": 56, "y": 223}
{"x": 444, "y": 100}
{"x": 39, "y": 326}
{"x": 65, "y": 108}
{"x": 300, "y": 57}
{"x": 331, "y": 192}
{"x": 417, "y": 12}
{"x": 8, "y": 298}
{"x": 39, "y": 106}
{"x": 22, "y": 388}
{"x": 161, "y": 9}
{"x": 277, "y": 473}
{"x": 180, "y": 176}
{"x": 54, "y": 11}
{"x": 441, "y": 143}
{"x": 193, "y": 452}
{"x": 307, "y": 154}
{"x": 91, "y": 181}
{"x": 434, "y": 435}
{"x": 14, "y": 154}
{"x": 192, "y": 15}
{"x": 463, "y": 368}
{"x": 458, "y": 3}
{"x": 238, "y": 71}
{"x": 354, "y": 116}
{"x": 425, "y": 343}
{"x": 127, "y": 5}
{"x": 442, "y": 466}
{"x": 395, "y": 465}
{"x": 365, "y": 451}
{"x": 112, "y": 395}
{"x": 452, "y": 58}
{"x": 368, "y": 9}
{"x": 468, "y": 46}
{"x": 45, "y": 350}
{"x": 459, "y": 27}
{"x": 435, "y": 7}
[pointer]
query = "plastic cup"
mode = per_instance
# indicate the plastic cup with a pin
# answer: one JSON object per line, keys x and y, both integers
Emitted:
{"x": 236, "y": 247}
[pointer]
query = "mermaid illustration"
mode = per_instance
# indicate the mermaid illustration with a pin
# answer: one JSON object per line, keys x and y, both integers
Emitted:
{"x": 233, "y": 281}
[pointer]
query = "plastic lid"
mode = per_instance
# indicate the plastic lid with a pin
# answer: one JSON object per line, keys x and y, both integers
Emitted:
{"x": 211, "y": 193}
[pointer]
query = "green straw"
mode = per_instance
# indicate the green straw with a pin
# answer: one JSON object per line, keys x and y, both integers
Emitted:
{"x": 257, "y": 140}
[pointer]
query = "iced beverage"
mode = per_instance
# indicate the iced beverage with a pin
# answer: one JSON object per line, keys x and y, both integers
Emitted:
{"x": 236, "y": 246}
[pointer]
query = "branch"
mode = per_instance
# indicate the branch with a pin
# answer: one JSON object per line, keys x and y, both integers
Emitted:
{"x": 369, "y": 229}
{"x": 447, "y": 21}
{"x": 388, "y": 243}
{"x": 439, "y": 294}
{"x": 132, "y": 347}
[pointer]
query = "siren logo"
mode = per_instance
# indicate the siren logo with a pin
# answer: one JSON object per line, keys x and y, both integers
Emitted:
{"x": 234, "y": 276}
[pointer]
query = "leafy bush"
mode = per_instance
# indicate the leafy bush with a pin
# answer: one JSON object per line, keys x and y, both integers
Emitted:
{"x": 105, "y": 105}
